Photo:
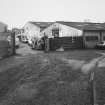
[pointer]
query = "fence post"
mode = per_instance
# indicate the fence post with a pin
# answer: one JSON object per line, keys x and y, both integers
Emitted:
{"x": 13, "y": 43}
{"x": 47, "y": 47}
{"x": 93, "y": 87}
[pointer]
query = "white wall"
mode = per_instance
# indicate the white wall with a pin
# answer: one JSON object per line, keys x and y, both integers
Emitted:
{"x": 48, "y": 30}
{"x": 69, "y": 31}
{"x": 30, "y": 30}
{"x": 63, "y": 30}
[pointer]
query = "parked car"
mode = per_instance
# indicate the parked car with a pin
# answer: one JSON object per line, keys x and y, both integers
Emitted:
{"x": 100, "y": 45}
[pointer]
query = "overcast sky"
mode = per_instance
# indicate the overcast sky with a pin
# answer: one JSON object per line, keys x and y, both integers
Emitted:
{"x": 17, "y": 12}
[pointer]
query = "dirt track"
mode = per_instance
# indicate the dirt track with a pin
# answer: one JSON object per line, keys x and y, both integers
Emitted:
{"x": 58, "y": 78}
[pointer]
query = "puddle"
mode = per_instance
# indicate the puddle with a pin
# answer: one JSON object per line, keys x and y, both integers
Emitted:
{"x": 84, "y": 66}
{"x": 75, "y": 64}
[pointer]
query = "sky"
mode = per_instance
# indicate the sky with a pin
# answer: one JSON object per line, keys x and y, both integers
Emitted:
{"x": 15, "y": 13}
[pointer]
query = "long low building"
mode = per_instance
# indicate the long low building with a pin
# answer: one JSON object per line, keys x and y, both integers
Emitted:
{"x": 91, "y": 32}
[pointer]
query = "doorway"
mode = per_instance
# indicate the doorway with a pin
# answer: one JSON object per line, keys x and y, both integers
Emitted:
{"x": 55, "y": 32}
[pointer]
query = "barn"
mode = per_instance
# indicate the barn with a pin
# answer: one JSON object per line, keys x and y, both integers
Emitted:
{"x": 75, "y": 34}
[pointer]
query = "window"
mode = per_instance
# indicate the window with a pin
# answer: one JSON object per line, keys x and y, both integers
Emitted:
{"x": 55, "y": 33}
{"x": 91, "y": 38}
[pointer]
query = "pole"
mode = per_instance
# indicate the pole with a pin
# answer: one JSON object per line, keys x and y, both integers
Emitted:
{"x": 47, "y": 45}
{"x": 93, "y": 87}
{"x": 13, "y": 43}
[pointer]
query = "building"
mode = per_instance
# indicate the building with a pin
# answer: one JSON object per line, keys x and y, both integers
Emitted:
{"x": 90, "y": 32}
{"x": 33, "y": 29}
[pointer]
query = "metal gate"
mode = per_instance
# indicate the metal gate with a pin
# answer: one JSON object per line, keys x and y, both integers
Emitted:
{"x": 66, "y": 43}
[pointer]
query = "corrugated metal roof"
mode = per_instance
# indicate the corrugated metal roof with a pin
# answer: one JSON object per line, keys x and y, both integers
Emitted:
{"x": 78, "y": 25}
{"x": 84, "y": 25}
